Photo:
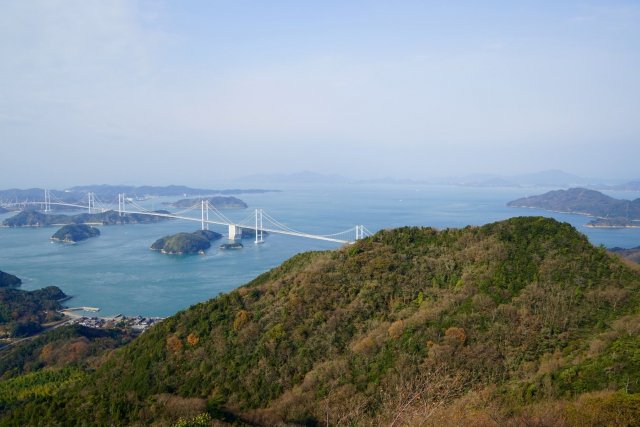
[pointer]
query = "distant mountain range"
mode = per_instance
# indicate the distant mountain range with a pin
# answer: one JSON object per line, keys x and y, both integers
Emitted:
{"x": 548, "y": 178}
{"x": 169, "y": 190}
{"x": 304, "y": 177}
{"x": 627, "y": 186}
{"x": 108, "y": 192}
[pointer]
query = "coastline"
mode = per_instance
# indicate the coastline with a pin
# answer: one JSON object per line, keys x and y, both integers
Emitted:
{"x": 588, "y": 225}
{"x": 611, "y": 226}
{"x": 119, "y": 321}
{"x": 554, "y": 211}
{"x": 50, "y": 225}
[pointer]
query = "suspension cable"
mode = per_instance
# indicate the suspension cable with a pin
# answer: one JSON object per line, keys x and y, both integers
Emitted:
{"x": 217, "y": 212}
{"x": 195, "y": 206}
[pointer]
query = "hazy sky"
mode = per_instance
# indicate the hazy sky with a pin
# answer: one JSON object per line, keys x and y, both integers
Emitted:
{"x": 155, "y": 92}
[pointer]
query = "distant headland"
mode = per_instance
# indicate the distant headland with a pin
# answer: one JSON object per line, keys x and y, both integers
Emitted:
{"x": 8, "y": 280}
{"x": 32, "y": 218}
{"x": 608, "y": 211}
{"x": 110, "y": 192}
{"x": 25, "y": 313}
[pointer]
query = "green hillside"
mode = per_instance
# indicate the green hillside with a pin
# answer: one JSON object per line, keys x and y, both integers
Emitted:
{"x": 69, "y": 345}
{"x": 22, "y": 313}
{"x": 521, "y": 321}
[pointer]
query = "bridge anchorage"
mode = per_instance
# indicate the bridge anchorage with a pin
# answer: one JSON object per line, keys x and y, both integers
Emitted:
{"x": 258, "y": 223}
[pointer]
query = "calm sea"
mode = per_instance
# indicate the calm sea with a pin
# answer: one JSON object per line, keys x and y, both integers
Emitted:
{"x": 119, "y": 274}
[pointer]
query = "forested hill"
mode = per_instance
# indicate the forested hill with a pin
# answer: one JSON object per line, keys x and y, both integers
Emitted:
{"x": 521, "y": 321}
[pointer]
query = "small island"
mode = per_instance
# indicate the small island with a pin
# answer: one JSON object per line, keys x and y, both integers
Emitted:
{"x": 236, "y": 245}
{"x": 9, "y": 280}
{"x": 609, "y": 212}
{"x": 218, "y": 202}
{"x": 73, "y": 233}
{"x": 186, "y": 243}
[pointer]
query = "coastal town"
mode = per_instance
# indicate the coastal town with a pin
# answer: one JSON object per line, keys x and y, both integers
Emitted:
{"x": 119, "y": 321}
{"x": 138, "y": 323}
{"x": 78, "y": 316}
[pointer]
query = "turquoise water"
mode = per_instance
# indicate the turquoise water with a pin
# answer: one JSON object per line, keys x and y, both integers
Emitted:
{"x": 118, "y": 273}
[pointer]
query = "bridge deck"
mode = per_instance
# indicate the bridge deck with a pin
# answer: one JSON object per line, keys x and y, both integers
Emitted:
{"x": 248, "y": 227}
{"x": 193, "y": 219}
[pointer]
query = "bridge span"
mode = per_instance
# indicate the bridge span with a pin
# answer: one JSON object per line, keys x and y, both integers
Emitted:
{"x": 259, "y": 222}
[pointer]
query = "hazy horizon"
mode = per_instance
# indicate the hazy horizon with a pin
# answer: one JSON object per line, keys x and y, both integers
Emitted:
{"x": 198, "y": 92}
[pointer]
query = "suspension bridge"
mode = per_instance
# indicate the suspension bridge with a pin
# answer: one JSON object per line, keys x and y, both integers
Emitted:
{"x": 259, "y": 222}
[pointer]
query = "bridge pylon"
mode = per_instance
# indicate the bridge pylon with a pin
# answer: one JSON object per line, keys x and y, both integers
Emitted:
{"x": 121, "y": 204}
{"x": 92, "y": 201}
{"x": 204, "y": 216}
{"x": 259, "y": 232}
{"x": 47, "y": 201}
{"x": 235, "y": 232}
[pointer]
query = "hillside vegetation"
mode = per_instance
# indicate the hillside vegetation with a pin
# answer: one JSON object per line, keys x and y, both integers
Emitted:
{"x": 22, "y": 313}
{"x": 67, "y": 346}
{"x": 519, "y": 322}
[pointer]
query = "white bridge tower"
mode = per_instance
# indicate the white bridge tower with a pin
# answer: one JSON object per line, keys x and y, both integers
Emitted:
{"x": 204, "y": 217}
{"x": 47, "y": 201}
{"x": 121, "y": 204}
{"x": 259, "y": 234}
{"x": 92, "y": 201}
